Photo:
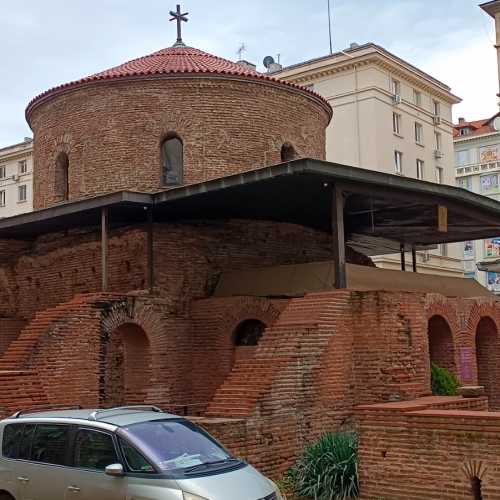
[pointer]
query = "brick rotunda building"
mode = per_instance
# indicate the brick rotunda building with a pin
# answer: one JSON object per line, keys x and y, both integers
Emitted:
{"x": 191, "y": 249}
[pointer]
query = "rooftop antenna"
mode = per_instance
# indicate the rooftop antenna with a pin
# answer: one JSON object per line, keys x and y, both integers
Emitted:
{"x": 241, "y": 50}
{"x": 330, "y": 25}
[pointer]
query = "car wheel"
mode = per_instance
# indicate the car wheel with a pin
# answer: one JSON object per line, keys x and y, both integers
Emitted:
{"x": 6, "y": 496}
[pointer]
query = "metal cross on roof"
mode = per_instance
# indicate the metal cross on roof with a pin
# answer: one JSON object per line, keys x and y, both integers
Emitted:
{"x": 179, "y": 17}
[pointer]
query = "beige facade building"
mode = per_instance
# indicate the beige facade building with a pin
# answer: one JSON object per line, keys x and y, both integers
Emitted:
{"x": 391, "y": 117}
{"x": 16, "y": 179}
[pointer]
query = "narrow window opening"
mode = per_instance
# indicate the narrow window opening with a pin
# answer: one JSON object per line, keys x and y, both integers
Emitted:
{"x": 172, "y": 152}
{"x": 476, "y": 484}
{"x": 62, "y": 177}
{"x": 288, "y": 152}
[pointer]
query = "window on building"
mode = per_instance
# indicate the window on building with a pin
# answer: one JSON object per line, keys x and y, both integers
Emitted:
{"x": 419, "y": 133}
{"x": 436, "y": 107}
{"x": 468, "y": 249}
{"x": 462, "y": 157}
{"x": 396, "y": 87}
{"x": 443, "y": 249}
{"x": 22, "y": 193}
{"x": 417, "y": 97}
{"x": 439, "y": 175}
{"x": 172, "y": 152}
{"x": 398, "y": 162}
{"x": 489, "y": 182}
{"x": 437, "y": 141}
{"x": 465, "y": 183}
{"x": 396, "y": 123}
{"x": 465, "y": 131}
{"x": 3, "y": 171}
{"x": 22, "y": 167}
{"x": 288, "y": 152}
{"x": 2, "y": 198}
{"x": 62, "y": 177}
{"x": 420, "y": 169}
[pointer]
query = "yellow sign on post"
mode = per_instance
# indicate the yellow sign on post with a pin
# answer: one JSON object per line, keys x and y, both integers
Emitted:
{"x": 442, "y": 219}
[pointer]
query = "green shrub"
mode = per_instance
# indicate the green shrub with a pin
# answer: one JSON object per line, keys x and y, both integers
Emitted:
{"x": 328, "y": 469}
{"x": 444, "y": 383}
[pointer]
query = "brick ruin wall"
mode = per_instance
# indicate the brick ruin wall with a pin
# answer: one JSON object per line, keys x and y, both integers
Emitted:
{"x": 430, "y": 453}
{"x": 112, "y": 132}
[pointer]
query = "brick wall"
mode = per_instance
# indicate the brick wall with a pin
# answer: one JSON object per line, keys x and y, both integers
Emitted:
{"x": 9, "y": 331}
{"x": 407, "y": 453}
{"x": 112, "y": 132}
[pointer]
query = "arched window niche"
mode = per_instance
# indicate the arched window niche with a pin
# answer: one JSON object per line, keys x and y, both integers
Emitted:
{"x": 172, "y": 158}
{"x": 288, "y": 152}
{"x": 61, "y": 187}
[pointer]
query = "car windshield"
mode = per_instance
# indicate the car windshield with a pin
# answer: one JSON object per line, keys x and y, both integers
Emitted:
{"x": 176, "y": 445}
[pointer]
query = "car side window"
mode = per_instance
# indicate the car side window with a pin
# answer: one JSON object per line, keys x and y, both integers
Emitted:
{"x": 10, "y": 441}
{"x": 94, "y": 450}
{"x": 135, "y": 461}
{"x": 50, "y": 444}
{"x": 26, "y": 442}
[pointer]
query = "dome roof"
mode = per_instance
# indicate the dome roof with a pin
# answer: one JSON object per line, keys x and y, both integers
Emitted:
{"x": 171, "y": 61}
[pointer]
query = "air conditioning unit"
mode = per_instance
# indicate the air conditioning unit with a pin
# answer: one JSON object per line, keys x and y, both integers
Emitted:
{"x": 396, "y": 99}
{"x": 15, "y": 177}
{"x": 438, "y": 154}
{"x": 436, "y": 119}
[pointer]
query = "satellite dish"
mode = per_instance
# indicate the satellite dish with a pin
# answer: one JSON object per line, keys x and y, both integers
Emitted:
{"x": 268, "y": 60}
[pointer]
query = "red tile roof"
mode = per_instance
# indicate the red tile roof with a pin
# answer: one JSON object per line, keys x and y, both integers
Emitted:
{"x": 171, "y": 61}
{"x": 477, "y": 127}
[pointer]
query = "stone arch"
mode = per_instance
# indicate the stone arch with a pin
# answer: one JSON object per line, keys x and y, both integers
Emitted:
{"x": 139, "y": 326}
{"x": 488, "y": 358}
{"x": 246, "y": 338}
{"x": 126, "y": 370}
{"x": 441, "y": 344}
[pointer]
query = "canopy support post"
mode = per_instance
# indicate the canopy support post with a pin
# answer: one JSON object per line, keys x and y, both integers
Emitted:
{"x": 338, "y": 234}
{"x": 414, "y": 259}
{"x": 403, "y": 262}
{"x": 104, "y": 249}
{"x": 150, "y": 251}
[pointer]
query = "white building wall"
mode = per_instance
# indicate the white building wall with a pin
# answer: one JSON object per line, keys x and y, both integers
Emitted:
{"x": 15, "y": 183}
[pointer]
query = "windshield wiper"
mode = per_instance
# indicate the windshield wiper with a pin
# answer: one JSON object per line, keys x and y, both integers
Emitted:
{"x": 205, "y": 465}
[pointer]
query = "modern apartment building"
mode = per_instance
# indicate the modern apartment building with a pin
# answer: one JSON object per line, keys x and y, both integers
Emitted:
{"x": 16, "y": 179}
{"x": 391, "y": 117}
{"x": 477, "y": 157}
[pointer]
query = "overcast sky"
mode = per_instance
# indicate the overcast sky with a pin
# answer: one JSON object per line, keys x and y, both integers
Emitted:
{"x": 47, "y": 42}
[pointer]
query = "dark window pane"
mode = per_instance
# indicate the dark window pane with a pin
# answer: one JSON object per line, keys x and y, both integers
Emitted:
{"x": 11, "y": 439}
{"x": 135, "y": 461}
{"x": 50, "y": 444}
{"x": 172, "y": 153}
{"x": 94, "y": 450}
{"x": 26, "y": 442}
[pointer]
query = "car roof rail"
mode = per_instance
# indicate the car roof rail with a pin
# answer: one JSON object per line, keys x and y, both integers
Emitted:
{"x": 39, "y": 409}
{"x": 95, "y": 414}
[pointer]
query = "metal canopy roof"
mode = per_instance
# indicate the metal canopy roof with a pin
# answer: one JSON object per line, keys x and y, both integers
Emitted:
{"x": 381, "y": 212}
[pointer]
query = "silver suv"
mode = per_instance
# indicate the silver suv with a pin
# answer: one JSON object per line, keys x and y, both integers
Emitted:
{"x": 126, "y": 453}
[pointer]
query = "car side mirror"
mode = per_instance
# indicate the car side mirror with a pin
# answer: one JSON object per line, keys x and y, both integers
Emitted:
{"x": 115, "y": 470}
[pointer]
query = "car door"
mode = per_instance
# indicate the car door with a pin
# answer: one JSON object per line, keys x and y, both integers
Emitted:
{"x": 44, "y": 472}
{"x": 9, "y": 474}
{"x": 93, "y": 450}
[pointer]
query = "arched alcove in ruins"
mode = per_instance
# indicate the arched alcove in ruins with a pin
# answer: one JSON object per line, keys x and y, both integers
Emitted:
{"x": 487, "y": 357}
{"x": 441, "y": 346}
{"x": 246, "y": 338}
{"x": 126, "y": 367}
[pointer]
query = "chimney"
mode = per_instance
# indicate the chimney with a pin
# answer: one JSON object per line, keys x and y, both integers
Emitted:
{"x": 461, "y": 121}
{"x": 353, "y": 46}
{"x": 247, "y": 65}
